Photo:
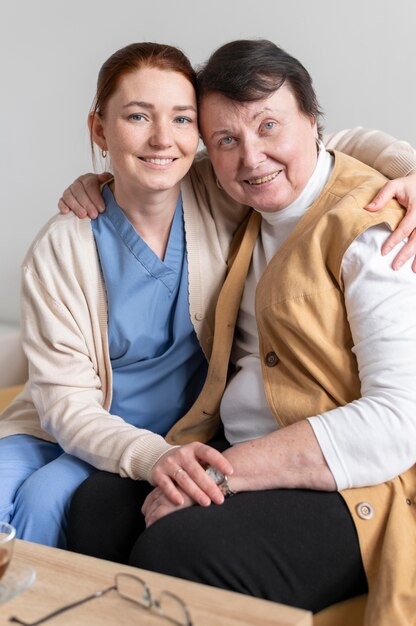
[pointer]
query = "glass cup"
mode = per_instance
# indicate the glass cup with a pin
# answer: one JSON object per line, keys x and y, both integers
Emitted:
{"x": 7, "y": 535}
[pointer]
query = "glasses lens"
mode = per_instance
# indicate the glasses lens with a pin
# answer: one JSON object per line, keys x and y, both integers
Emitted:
{"x": 174, "y": 609}
{"x": 133, "y": 588}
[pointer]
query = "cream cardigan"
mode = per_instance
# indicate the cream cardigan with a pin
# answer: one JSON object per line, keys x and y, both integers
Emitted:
{"x": 64, "y": 318}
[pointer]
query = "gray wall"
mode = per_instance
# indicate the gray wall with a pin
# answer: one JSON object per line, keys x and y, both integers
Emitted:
{"x": 361, "y": 54}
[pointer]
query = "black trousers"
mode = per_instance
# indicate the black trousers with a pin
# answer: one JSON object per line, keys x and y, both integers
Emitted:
{"x": 297, "y": 547}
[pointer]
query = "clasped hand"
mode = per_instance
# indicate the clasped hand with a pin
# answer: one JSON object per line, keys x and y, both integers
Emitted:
{"x": 157, "y": 505}
{"x": 180, "y": 472}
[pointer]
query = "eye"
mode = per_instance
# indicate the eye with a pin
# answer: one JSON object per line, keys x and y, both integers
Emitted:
{"x": 183, "y": 120}
{"x": 227, "y": 141}
{"x": 269, "y": 125}
{"x": 137, "y": 117}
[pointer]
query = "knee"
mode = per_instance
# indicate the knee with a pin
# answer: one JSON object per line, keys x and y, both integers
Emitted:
{"x": 169, "y": 545}
{"x": 34, "y": 497}
{"x": 152, "y": 550}
{"x": 104, "y": 516}
{"x": 89, "y": 490}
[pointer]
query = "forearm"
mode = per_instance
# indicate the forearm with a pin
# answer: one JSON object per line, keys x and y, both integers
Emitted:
{"x": 289, "y": 458}
{"x": 83, "y": 428}
{"x": 385, "y": 153}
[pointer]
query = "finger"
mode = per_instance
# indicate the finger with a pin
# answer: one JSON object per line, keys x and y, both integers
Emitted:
{"x": 185, "y": 466}
{"x": 63, "y": 208}
{"x": 203, "y": 490}
{"x": 168, "y": 487}
{"x": 386, "y": 193}
{"x": 92, "y": 185}
{"x": 85, "y": 193}
{"x": 210, "y": 456}
{"x": 153, "y": 516}
{"x": 104, "y": 177}
{"x": 75, "y": 205}
{"x": 198, "y": 486}
{"x": 407, "y": 252}
{"x": 404, "y": 229}
{"x": 149, "y": 511}
{"x": 154, "y": 496}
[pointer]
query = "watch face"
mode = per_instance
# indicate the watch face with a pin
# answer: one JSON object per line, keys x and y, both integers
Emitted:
{"x": 216, "y": 475}
{"x": 220, "y": 480}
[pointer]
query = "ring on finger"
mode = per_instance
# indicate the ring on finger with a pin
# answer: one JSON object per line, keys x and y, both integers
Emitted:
{"x": 178, "y": 471}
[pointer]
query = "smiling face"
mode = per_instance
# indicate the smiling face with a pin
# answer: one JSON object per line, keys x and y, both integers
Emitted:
{"x": 263, "y": 152}
{"x": 149, "y": 127}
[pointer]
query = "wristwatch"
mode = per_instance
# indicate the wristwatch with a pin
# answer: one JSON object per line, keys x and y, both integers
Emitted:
{"x": 220, "y": 480}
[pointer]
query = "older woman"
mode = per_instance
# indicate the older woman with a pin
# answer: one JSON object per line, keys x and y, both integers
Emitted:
{"x": 320, "y": 409}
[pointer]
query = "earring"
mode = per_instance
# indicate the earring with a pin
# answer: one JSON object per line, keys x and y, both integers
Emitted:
{"x": 103, "y": 153}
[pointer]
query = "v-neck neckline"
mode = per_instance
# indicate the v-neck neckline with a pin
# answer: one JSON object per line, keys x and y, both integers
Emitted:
{"x": 165, "y": 270}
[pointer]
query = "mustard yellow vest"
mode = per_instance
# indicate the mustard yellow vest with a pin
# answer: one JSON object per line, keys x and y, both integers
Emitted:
{"x": 308, "y": 366}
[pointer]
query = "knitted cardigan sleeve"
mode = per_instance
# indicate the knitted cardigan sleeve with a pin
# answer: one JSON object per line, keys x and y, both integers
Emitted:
{"x": 388, "y": 155}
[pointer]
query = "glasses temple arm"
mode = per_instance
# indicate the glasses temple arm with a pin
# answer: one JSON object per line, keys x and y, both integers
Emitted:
{"x": 67, "y": 607}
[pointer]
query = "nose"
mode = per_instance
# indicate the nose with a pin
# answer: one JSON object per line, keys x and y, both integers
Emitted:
{"x": 252, "y": 154}
{"x": 161, "y": 136}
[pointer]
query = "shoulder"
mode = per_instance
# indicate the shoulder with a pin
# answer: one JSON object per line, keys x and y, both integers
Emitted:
{"x": 353, "y": 185}
{"x": 61, "y": 234}
{"x": 350, "y": 173}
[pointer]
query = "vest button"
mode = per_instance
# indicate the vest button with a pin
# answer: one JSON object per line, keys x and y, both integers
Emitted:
{"x": 364, "y": 510}
{"x": 271, "y": 359}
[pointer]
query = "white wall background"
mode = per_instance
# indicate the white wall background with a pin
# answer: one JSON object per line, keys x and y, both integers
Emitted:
{"x": 361, "y": 54}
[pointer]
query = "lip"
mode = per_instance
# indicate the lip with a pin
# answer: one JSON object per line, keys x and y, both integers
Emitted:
{"x": 262, "y": 180}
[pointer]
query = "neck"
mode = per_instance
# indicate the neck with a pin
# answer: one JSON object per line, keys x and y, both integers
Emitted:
{"x": 151, "y": 214}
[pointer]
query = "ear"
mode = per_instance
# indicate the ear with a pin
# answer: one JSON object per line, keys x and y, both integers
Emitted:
{"x": 96, "y": 129}
{"x": 314, "y": 125}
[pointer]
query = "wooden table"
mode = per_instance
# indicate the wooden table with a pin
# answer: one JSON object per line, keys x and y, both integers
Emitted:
{"x": 63, "y": 577}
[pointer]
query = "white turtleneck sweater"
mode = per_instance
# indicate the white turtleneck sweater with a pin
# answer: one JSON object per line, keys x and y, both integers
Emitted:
{"x": 371, "y": 439}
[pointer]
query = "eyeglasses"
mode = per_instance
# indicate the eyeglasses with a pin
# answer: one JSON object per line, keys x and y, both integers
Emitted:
{"x": 132, "y": 588}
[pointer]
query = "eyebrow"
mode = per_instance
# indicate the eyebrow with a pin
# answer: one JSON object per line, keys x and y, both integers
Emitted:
{"x": 148, "y": 105}
{"x": 265, "y": 110}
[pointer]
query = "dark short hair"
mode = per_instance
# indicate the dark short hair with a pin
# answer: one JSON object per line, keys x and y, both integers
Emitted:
{"x": 247, "y": 70}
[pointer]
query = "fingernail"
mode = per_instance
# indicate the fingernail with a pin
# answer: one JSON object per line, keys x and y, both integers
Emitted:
{"x": 371, "y": 205}
{"x": 398, "y": 265}
{"x": 386, "y": 250}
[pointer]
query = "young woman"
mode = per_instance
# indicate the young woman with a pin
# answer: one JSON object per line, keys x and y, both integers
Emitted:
{"x": 116, "y": 320}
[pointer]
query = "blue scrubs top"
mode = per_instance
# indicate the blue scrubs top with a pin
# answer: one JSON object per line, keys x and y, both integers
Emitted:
{"x": 158, "y": 365}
